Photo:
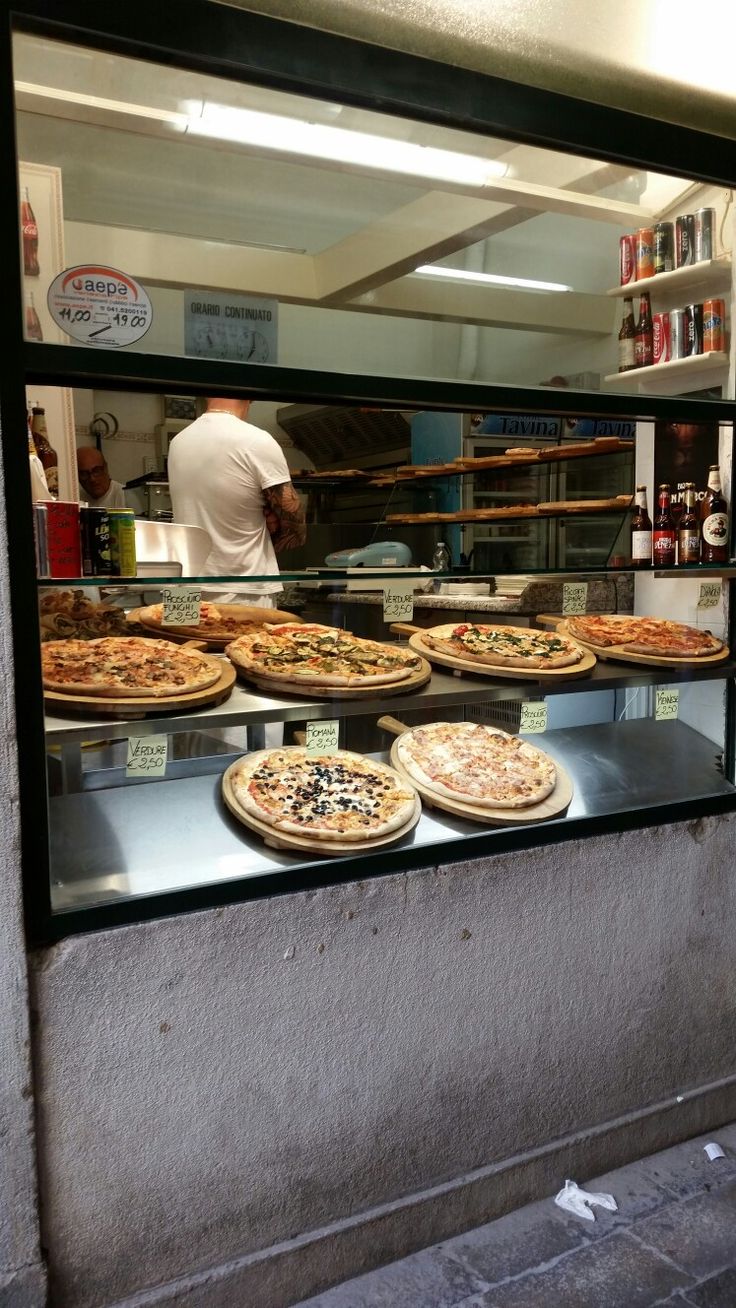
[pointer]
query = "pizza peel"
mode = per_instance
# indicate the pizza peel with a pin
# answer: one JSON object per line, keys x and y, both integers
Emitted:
{"x": 619, "y": 655}
{"x": 458, "y": 665}
{"x": 130, "y": 707}
{"x": 553, "y": 806}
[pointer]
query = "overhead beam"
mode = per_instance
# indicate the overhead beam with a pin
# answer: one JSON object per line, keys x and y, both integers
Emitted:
{"x": 566, "y": 313}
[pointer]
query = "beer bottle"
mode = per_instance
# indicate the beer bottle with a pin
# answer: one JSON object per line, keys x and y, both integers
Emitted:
{"x": 626, "y": 360}
{"x": 664, "y": 537}
{"x": 688, "y": 531}
{"x": 643, "y": 345}
{"x": 641, "y": 532}
{"x": 29, "y": 229}
{"x": 714, "y": 527}
{"x": 46, "y": 452}
{"x": 33, "y": 322}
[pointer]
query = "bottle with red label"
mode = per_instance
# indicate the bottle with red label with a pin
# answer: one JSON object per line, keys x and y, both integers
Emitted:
{"x": 664, "y": 536}
{"x": 714, "y": 526}
{"x": 643, "y": 343}
{"x": 29, "y": 228}
{"x": 34, "y": 331}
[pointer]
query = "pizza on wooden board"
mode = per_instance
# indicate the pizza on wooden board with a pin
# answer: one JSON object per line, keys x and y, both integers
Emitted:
{"x": 340, "y": 796}
{"x": 310, "y": 654}
{"x": 476, "y": 764}
{"x": 656, "y": 637}
{"x": 510, "y": 647}
{"x": 125, "y": 667}
{"x": 216, "y": 621}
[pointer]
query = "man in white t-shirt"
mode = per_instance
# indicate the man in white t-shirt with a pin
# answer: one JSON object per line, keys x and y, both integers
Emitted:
{"x": 232, "y": 479}
{"x": 96, "y": 485}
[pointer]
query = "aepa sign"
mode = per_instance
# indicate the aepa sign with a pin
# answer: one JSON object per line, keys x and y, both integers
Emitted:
{"x": 99, "y": 305}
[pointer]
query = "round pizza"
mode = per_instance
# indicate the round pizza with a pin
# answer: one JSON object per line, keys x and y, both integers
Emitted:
{"x": 340, "y": 796}
{"x": 309, "y": 654}
{"x": 656, "y": 637}
{"x": 125, "y": 666}
{"x": 477, "y": 765}
{"x": 505, "y": 647}
{"x": 216, "y": 621}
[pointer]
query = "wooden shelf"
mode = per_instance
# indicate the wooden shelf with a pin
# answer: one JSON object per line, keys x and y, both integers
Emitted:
{"x": 707, "y": 273}
{"x": 694, "y": 366}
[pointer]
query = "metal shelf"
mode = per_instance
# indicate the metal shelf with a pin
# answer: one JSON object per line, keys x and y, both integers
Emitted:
{"x": 709, "y": 272}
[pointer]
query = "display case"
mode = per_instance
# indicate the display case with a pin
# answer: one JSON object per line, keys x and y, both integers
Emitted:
{"x": 378, "y": 304}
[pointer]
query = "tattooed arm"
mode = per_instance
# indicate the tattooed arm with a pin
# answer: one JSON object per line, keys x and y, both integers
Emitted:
{"x": 285, "y": 517}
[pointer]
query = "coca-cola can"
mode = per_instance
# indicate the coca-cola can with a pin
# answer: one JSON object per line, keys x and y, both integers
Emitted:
{"x": 714, "y": 325}
{"x": 661, "y": 338}
{"x": 684, "y": 239}
{"x": 664, "y": 248}
{"x": 678, "y": 334}
{"x": 694, "y": 328}
{"x": 627, "y": 260}
{"x": 703, "y": 224}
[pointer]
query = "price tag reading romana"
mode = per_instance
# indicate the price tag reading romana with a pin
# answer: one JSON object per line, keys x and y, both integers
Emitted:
{"x": 667, "y": 705}
{"x": 181, "y": 606}
{"x": 710, "y": 594}
{"x": 146, "y": 756}
{"x": 574, "y": 597}
{"x": 398, "y": 602}
{"x": 323, "y": 737}
{"x": 534, "y": 717}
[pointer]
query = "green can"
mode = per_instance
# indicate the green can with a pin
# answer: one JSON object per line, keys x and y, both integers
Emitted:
{"x": 122, "y": 542}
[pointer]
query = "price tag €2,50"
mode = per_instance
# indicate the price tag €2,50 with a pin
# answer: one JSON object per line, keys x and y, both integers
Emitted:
{"x": 574, "y": 597}
{"x": 710, "y": 594}
{"x": 181, "y": 606}
{"x": 534, "y": 716}
{"x": 323, "y": 737}
{"x": 398, "y": 602}
{"x": 146, "y": 756}
{"x": 666, "y": 705}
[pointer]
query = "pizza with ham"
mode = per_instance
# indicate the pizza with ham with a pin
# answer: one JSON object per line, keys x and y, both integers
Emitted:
{"x": 125, "y": 667}
{"x": 341, "y": 796}
{"x": 510, "y": 647}
{"x": 477, "y": 765}
{"x": 656, "y": 637}
{"x": 310, "y": 654}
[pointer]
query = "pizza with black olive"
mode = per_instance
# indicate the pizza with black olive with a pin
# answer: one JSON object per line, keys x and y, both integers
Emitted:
{"x": 506, "y": 647}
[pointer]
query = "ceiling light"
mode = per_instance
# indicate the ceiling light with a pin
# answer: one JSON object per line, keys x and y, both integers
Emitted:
{"x": 339, "y": 145}
{"x": 493, "y": 279}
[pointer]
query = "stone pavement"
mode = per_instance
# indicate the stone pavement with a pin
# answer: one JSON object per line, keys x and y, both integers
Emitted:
{"x": 671, "y": 1244}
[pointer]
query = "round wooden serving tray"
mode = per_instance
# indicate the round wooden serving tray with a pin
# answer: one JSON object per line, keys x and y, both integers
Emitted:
{"x": 185, "y": 635}
{"x": 581, "y": 669}
{"x": 277, "y": 688}
{"x": 296, "y": 844}
{"x": 129, "y": 708}
{"x": 620, "y": 655}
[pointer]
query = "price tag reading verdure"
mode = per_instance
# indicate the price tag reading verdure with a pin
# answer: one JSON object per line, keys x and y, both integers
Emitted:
{"x": 574, "y": 597}
{"x": 398, "y": 602}
{"x": 146, "y": 756}
{"x": 534, "y": 717}
{"x": 710, "y": 594}
{"x": 181, "y": 606}
{"x": 323, "y": 737}
{"x": 667, "y": 705}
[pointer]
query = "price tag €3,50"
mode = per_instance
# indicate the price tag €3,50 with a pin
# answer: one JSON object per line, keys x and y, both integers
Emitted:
{"x": 323, "y": 737}
{"x": 181, "y": 605}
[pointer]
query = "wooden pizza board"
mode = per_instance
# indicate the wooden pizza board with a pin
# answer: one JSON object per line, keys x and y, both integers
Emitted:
{"x": 551, "y": 807}
{"x": 285, "y": 840}
{"x": 620, "y": 655}
{"x": 416, "y": 642}
{"x": 277, "y": 688}
{"x": 244, "y": 612}
{"x": 130, "y": 708}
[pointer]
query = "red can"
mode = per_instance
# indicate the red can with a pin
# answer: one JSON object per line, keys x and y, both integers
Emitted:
{"x": 62, "y": 538}
{"x": 661, "y": 346}
{"x": 714, "y": 325}
{"x": 627, "y": 260}
{"x": 644, "y": 252}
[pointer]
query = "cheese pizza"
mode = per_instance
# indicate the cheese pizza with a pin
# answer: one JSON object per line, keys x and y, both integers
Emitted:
{"x": 309, "y": 654}
{"x": 510, "y": 647}
{"x": 477, "y": 765}
{"x": 125, "y": 666}
{"x": 656, "y": 637}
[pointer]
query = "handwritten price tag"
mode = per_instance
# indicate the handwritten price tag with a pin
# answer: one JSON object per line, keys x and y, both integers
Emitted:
{"x": 323, "y": 737}
{"x": 146, "y": 756}
{"x": 667, "y": 705}
{"x": 574, "y": 597}
{"x": 398, "y": 602}
{"x": 710, "y": 594}
{"x": 534, "y": 717}
{"x": 181, "y": 606}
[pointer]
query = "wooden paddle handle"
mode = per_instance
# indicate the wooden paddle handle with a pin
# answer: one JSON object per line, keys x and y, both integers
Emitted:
{"x": 403, "y": 629}
{"x": 300, "y": 737}
{"x": 195, "y": 644}
{"x": 392, "y": 725}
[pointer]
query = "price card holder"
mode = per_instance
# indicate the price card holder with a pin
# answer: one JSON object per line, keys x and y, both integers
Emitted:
{"x": 574, "y": 597}
{"x": 398, "y": 601}
{"x": 181, "y": 606}
{"x": 710, "y": 594}
{"x": 323, "y": 737}
{"x": 534, "y": 717}
{"x": 147, "y": 756}
{"x": 667, "y": 705}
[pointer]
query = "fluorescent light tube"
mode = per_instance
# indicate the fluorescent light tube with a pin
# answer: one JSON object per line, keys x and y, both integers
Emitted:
{"x": 337, "y": 144}
{"x": 493, "y": 279}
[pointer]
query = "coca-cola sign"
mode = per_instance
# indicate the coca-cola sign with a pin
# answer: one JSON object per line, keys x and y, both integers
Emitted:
{"x": 100, "y": 305}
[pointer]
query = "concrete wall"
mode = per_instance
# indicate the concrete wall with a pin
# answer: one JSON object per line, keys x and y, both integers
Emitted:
{"x": 212, "y": 1086}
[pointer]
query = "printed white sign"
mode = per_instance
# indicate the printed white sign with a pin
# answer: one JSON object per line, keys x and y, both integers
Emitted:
{"x": 710, "y": 594}
{"x": 666, "y": 705}
{"x": 534, "y": 717}
{"x": 398, "y": 602}
{"x": 181, "y": 606}
{"x": 574, "y": 597}
{"x": 243, "y": 328}
{"x": 146, "y": 756}
{"x": 323, "y": 737}
{"x": 99, "y": 305}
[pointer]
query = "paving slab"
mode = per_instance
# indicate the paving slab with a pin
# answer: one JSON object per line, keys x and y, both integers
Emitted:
{"x": 427, "y": 1278}
{"x": 718, "y": 1291}
{"x": 523, "y": 1239}
{"x": 698, "y": 1234}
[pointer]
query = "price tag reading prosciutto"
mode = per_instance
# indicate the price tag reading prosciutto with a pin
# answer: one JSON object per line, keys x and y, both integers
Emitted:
{"x": 323, "y": 737}
{"x": 99, "y": 305}
{"x": 181, "y": 606}
{"x": 533, "y": 717}
{"x": 574, "y": 597}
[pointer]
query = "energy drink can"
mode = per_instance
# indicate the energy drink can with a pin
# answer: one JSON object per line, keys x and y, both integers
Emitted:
{"x": 95, "y": 532}
{"x": 704, "y": 223}
{"x": 664, "y": 247}
{"x": 122, "y": 542}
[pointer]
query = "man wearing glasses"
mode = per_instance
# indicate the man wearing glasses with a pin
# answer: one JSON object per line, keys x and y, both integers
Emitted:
{"x": 97, "y": 486}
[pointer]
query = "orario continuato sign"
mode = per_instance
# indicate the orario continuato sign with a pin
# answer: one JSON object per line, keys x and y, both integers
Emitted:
{"x": 99, "y": 305}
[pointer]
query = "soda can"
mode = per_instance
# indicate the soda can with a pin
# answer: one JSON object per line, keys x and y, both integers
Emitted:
{"x": 714, "y": 325}
{"x": 661, "y": 338}
{"x": 627, "y": 260}
{"x": 664, "y": 247}
{"x": 684, "y": 239}
{"x": 62, "y": 538}
{"x": 694, "y": 328}
{"x": 678, "y": 334}
{"x": 644, "y": 252}
{"x": 122, "y": 542}
{"x": 704, "y": 223}
{"x": 95, "y": 532}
